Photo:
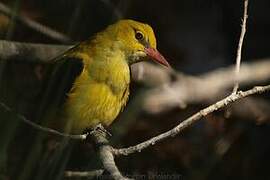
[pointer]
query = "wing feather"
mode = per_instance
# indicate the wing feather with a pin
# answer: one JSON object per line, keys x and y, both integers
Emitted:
{"x": 59, "y": 78}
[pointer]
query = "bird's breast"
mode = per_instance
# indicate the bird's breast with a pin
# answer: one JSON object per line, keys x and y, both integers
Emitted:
{"x": 98, "y": 96}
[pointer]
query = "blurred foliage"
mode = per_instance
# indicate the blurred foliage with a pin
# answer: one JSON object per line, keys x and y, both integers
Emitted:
{"x": 195, "y": 35}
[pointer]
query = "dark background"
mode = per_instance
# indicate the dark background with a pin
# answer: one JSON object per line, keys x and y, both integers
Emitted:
{"x": 196, "y": 36}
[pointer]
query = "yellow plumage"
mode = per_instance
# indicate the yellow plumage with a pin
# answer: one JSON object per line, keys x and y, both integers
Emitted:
{"x": 99, "y": 92}
{"x": 101, "y": 88}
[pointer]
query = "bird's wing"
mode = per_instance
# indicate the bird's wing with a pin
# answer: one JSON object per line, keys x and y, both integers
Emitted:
{"x": 59, "y": 78}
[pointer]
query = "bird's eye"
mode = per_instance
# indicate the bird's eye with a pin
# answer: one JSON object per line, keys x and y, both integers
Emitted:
{"x": 139, "y": 35}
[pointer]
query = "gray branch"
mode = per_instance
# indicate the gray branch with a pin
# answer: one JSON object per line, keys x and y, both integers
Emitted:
{"x": 191, "y": 120}
{"x": 29, "y": 52}
{"x": 106, "y": 154}
{"x": 202, "y": 89}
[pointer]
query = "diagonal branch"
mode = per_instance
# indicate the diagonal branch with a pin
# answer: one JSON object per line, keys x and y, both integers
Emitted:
{"x": 191, "y": 120}
{"x": 43, "y": 128}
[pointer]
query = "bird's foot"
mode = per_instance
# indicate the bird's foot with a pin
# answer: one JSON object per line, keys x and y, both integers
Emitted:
{"x": 101, "y": 129}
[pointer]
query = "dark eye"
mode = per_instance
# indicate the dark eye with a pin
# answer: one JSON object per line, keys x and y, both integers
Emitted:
{"x": 139, "y": 35}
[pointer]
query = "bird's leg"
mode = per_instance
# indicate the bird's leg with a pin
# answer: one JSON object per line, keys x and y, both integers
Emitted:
{"x": 101, "y": 129}
{"x": 98, "y": 135}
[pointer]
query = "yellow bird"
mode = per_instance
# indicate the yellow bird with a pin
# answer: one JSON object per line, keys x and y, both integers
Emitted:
{"x": 95, "y": 75}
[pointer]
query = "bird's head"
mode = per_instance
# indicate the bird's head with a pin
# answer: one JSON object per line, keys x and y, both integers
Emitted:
{"x": 138, "y": 41}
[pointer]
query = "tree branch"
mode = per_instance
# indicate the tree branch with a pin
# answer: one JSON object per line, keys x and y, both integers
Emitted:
{"x": 191, "y": 120}
{"x": 42, "y": 128}
{"x": 29, "y": 52}
{"x": 201, "y": 89}
{"x": 106, "y": 154}
{"x": 239, "y": 49}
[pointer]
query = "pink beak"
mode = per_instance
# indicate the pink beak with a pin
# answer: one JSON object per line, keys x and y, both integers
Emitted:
{"x": 156, "y": 56}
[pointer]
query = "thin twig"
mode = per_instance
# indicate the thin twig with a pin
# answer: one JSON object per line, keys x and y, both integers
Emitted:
{"x": 191, "y": 120}
{"x": 240, "y": 44}
{"x": 42, "y": 128}
{"x": 35, "y": 25}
